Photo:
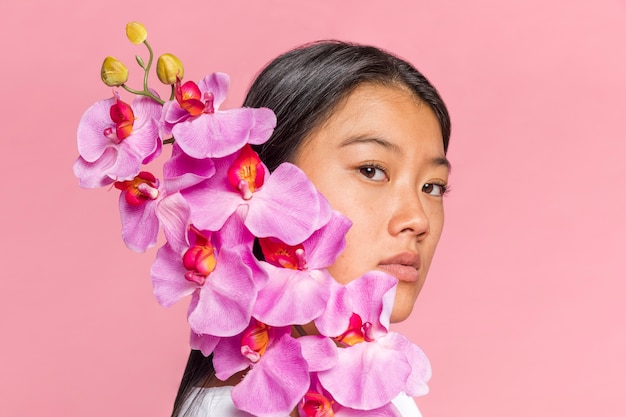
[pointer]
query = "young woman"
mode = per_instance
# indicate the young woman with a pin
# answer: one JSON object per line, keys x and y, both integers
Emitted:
{"x": 372, "y": 134}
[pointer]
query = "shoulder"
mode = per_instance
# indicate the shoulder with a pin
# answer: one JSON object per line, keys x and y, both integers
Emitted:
{"x": 406, "y": 406}
{"x": 211, "y": 402}
{"x": 216, "y": 401}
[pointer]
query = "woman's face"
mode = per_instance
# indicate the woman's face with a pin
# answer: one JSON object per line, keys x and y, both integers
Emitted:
{"x": 379, "y": 160}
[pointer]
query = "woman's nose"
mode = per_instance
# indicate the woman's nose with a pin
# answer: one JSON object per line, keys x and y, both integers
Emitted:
{"x": 409, "y": 218}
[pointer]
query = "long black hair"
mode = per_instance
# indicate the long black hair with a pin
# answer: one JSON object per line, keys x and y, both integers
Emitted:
{"x": 303, "y": 87}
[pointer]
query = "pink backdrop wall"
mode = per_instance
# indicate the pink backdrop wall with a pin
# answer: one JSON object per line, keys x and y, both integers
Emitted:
{"x": 523, "y": 313}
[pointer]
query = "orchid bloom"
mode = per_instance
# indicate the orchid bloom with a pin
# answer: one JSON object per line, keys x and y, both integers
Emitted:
{"x": 284, "y": 205}
{"x": 317, "y": 402}
{"x": 297, "y": 273}
{"x": 138, "y": 200}
{"x": 182, "y": 171}
{"x": 202, "y": 130}
{"x": 216, "y": 268}
{"x": 114, "y": 139}
{"x": 278, "y": 377}
{"x": 357, "y": 318}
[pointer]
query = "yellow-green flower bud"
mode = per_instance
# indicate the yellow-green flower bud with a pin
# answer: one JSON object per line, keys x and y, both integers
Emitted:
{"x": 136, "y": 32}
{"x": 113, "y": 72}
{"x": 169, "y": 68}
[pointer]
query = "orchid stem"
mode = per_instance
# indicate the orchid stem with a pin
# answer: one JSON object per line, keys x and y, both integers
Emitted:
{"x": 300, "y": 330}
{"x": 173, "y": 94}
{"x": 147, "y": 69}
{"x": 143, "y": 93}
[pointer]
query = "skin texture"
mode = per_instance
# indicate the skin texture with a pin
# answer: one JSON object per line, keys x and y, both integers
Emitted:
{"x": 379, "y": 160}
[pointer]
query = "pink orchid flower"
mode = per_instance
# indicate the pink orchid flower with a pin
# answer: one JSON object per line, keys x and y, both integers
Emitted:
{"x": 317, "y": 402}
{"x": 216, "y": 268}
{"x": 278, "y": 377}
{"x": 114, "y": 139}
{"x": 138, "y": 201}
{"x": 202, "y": 130}
{"x": 357, "y": 317}
{"x": 298, "y": 286}
{"x": 284, "y": 205}
{"x": 182, "y": 171}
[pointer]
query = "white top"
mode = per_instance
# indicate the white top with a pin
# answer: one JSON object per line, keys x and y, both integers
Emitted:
{"x": 216, "y": 402}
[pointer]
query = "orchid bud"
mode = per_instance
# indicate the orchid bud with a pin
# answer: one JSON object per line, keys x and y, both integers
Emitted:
{"x": 136, "y": 32}
{"x": 113, "y": 72}
{"x": 169, "y": 68}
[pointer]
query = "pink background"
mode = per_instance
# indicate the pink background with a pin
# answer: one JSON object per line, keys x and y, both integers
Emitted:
{"x": 523, "y": 313}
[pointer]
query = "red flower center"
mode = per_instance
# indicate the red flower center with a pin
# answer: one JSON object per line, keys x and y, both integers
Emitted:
{"x": 282, "y": 255}
{"x": 122, "y": 115}
{"x": 140, "y": 189}
{"x": 199, "y": 260}
{"x": 189, "y": 97}
{"x": 247, "y": 172}
{"x": 356, "y": 333}
{"x": 255, "y": 340}
{"x": 315, "y": 404}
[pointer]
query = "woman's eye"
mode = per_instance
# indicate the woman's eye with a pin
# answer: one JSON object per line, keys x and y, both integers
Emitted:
{"x": 373, "y": 173}
{"x": 436, "y": 190}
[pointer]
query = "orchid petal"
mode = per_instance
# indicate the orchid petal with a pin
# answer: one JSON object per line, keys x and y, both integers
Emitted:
{"x": 421, "y": 372}
{"x": 222, "y": 133}
{"x": 182, "y": 171}
{"x": 320, "y": 352}
{"x": 127, "y": 165}
{"x": 263, "y": 126}
{"x": 286, "y": 207}
{"x": 205, "y": 343}
{"x": 217, "y": 84}
{"x": 387, "y": 372}
{"x": 168, "y": 281}
{"x": 387, "y": 410}
{"x": 173, "y": 211}
{"x": 210, "y": 206}
{"x": 90, "y": 175}
{"x": 367, "y": 292}
{"x": 227, "y": 358}
{"x": 273, "y": 386}
{"x": 140, "y": 225}
{"x": 233, "y": 233}
{"x": 91, "y": 141}
{"x": 112, "y": 166}
{"x": 171, "y": 114}
{"x": 334, "y": 321}
{"x": 213, "y": 201}
{"x": 145, "y": 137}
{"x": 327, "y": 243}
{"x": 280, "y": 302}
{"x": 224, "y": 303}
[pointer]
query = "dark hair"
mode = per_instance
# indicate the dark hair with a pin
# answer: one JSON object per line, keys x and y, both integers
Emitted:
{"x": 303, "y": 87}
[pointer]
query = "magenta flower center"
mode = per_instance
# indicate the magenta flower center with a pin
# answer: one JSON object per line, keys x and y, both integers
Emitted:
{"x": 315, "y": 404}
{"x": 139, "y": 190}
{"x": 246, "y": 174}
{"x": 199, "y": 260}
{"x": 255, "y": 340}
{"x": 122, "y": 115}
{"x": 282, "y": 255}
{"x": 190, "y": 98}
{"x": 357, "y": 332}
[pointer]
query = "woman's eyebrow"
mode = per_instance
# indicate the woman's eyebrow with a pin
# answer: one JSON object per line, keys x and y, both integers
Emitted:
{"x": 441, "y": 161}
{"x": 437, "y": 161}
{"x": 371, "y": 139}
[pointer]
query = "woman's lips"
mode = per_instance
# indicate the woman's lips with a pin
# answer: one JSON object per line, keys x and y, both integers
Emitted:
{"x": 404, "y": 266}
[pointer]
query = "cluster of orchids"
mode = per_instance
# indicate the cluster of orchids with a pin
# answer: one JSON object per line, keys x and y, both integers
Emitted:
{"x": 214, "y": 201}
